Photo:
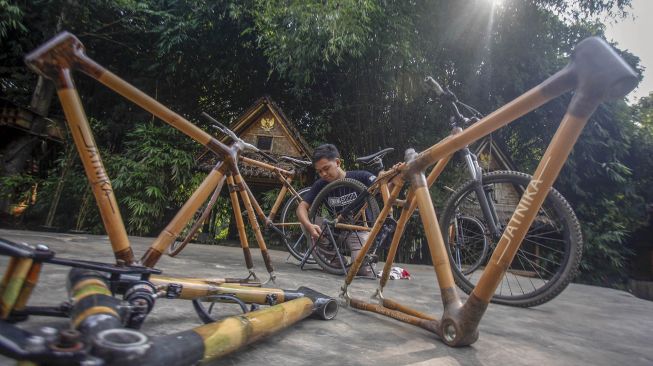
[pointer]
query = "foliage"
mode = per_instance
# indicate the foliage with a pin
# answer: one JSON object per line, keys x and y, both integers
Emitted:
{"x": 16, "y": 188}
{"x": 152, "y": 175}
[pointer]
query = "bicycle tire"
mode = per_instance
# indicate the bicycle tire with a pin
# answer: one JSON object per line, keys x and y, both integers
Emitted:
{"x": 470, "y": 247}
{"x": 295, "y": 241}
{"x": 553, "y": 258}
{"x": 325, "y": 255}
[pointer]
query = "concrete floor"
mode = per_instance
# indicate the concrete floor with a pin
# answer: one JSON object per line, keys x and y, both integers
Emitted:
{"x": 584, "y": 325}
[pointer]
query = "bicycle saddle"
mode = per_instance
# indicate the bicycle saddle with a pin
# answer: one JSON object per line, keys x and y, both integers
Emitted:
{"x": 296, "y": 162}
{"x": 377, "y": 155}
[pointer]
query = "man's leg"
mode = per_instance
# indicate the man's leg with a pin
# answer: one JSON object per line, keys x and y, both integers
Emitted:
{"x": 355, "y": 241}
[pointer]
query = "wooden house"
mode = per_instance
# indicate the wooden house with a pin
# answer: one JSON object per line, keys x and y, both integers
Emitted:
{"x": 28, "y": 145}
{"x": 265, "y": 126}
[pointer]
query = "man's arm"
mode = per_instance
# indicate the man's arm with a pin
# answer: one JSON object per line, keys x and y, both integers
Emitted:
{"x": 302, "y": 214}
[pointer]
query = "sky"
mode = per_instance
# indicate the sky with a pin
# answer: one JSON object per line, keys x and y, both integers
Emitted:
{"x": 635, "y": 35}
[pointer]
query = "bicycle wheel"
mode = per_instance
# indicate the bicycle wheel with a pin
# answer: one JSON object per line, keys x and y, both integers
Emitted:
{"x": 293, "y": 234}
{"x": 547, "y": 259}
{"x": 327, "y": 206}
{"x": 468, "y": 243}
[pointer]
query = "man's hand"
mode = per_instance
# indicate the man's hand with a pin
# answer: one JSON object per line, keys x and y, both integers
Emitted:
{"x": 314, "y": 231}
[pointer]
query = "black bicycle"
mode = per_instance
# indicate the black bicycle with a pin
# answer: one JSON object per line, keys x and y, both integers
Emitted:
{"x": 472, "y": 222}
{"x": 476, "y": 214}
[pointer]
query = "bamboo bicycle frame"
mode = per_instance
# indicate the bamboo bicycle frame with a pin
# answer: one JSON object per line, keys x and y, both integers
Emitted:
{"x": 56, "y": 60}
{"x": 596, "y": 73}
{"x": 95, "y": 312}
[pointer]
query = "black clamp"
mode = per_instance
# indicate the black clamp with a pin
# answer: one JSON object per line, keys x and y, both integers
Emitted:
{"x": 271, "y": 299}
{"x": 174, "y": 290}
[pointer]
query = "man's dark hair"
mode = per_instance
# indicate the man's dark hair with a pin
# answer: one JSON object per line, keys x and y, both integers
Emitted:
{"x": 326, "y": 151}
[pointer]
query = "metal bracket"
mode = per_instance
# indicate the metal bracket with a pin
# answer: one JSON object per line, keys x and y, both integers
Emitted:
{"x": 271, "y": 299}
{"x": 174, "y": 290}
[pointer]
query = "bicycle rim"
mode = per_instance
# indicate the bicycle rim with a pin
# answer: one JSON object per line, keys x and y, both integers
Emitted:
{"x": 550, "y": 253}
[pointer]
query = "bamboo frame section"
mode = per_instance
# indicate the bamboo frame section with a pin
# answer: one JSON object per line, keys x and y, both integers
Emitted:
{"x": 98, "y": 318}
{"x": 16, "y": 276}
{"x": 596, "y": 73}
{"x": 94, "y": 310}
{"x": 56, "y": 60}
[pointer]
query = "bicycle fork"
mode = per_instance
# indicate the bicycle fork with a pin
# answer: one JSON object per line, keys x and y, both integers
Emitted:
{"x": 482, "y": 194}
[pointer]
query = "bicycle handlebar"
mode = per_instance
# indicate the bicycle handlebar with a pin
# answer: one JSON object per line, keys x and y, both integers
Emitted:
{"x": 448, "y": 96}
{"x": 222, "y": 128}
{"x": 246, "y": 146}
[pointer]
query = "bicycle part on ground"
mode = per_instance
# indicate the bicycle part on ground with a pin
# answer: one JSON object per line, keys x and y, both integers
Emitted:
{"x": 98, "y": 335}
{"x": 206, "y": 315}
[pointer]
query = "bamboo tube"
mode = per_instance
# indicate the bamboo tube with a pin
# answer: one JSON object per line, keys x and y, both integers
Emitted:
{"x": 223, "y": 337}
{"x": 356, "y": 264}
{"x": 14, "y": 286}
{"x": 406, "y": 213}
{"x": 95, "y": 172}
{"x": 30, "y": 282}
{"x": 244, "y": 194}
{"x": 196, "y": 288}
{"x": 393, "y": 305}
{"x": 430, "y": 325}
{"x": 185, "y": 214}
{"x": 240, "y": 225}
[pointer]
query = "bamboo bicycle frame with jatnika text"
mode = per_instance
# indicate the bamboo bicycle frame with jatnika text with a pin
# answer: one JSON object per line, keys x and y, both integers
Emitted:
{"x": 56, "y": 60}
{"x": 93, "y": 309}
{"x": 596, "y": 73}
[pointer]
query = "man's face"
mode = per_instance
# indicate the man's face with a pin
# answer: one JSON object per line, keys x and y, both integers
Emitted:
{"x": 329, "y": 170}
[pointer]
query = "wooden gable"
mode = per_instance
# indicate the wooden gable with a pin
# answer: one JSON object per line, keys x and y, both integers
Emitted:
{"x": 268, "y": 134}
{"x": 491, "y": 156}
{"x": 264, "y": 125}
